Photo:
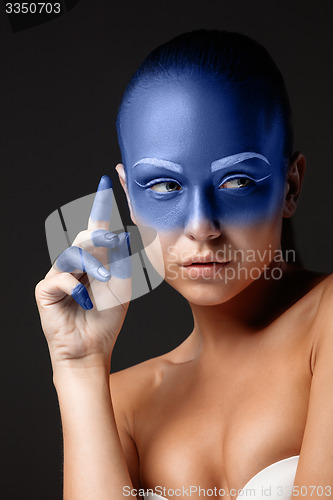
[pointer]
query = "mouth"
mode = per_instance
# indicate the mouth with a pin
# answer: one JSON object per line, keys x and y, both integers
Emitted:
{"x": 209, "y": 269}
{"x": 203, "y": 261}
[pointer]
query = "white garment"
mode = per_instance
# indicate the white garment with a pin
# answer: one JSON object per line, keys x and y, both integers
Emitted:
{"x": 275, "y": 482}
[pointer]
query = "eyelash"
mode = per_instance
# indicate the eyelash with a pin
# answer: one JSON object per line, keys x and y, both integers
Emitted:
{"x": 236, "y": 177}
{"x": 253, "y": 182}
{"x": 156, "y": 182}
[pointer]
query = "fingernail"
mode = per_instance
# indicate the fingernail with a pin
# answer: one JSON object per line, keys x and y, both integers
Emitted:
{"x": 110, "y": 236}
{"x": 81, "y": 296}
{"x": 104, "y": 183}
{"x": 88, "y": 304}
{"x": 103, "y": 272}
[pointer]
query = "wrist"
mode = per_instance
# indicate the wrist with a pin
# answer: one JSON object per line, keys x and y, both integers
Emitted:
{"x": 94, "y": 368}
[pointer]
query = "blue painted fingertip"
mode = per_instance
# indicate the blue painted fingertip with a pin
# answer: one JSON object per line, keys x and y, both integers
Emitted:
{"x": 81, "y": 296}
{"x": 104, "y": 183}
{"x": 88, "y": 304}
{"x": 104, "y": 273}
{"x": 102, "y": 206}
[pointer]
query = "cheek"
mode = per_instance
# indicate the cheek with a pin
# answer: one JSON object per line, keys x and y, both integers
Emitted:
{"x": 160, "y": 247}
{"x": 253, "y": 207}
{"x": 257, "y": 245}
{"x": 161, "y": 212}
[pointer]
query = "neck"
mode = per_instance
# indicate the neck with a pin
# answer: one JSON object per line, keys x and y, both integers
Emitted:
{"x": 243, "y": 315}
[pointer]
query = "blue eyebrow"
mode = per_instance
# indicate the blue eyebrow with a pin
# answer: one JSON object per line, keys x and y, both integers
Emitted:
{"x": 160, "y": 163}
{"x": 234, "y": 159}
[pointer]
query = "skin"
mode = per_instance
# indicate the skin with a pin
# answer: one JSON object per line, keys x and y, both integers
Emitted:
{"x": 80, "y": 341}
{"x": 252, "y": 347}
{"x": 76, "y": 258}
{"x": 242, "y": 402}
{"x": 196, "y": 125}
{"x": 251, "y": 385}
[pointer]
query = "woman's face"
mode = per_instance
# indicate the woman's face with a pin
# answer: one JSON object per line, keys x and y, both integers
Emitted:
{"x": 205, "y": 170}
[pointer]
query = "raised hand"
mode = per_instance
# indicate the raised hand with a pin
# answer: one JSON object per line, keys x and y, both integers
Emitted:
{"x": 84, "y": 297}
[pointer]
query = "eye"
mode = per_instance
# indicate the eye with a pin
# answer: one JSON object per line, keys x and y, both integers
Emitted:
{"x": 166, "y": 187}
{"x": 238, "y": 182}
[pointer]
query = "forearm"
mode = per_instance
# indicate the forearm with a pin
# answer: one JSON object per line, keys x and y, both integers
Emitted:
{"x": 94, "y": 463}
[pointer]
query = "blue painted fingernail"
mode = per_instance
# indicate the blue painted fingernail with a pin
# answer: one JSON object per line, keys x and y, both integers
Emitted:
{"x": 81, "y": 296}
{"x": 110, "y": 236}
{"x": 104, "y": 183}
{"x": 103, "y": 238}
{"x": 88, "y": 304}
{"x": 103, "y": 272}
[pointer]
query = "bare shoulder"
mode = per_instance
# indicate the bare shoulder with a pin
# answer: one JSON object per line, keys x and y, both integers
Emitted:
{"x": 138, "y": 378}
{"x": 308, "y": 289}
{"x": 323, "y": 322}
{"x": 325, "y": 302}
{"x": 327, "y": 285}
{"x": 133, "y": 387}
{"x": 318, "y": 435}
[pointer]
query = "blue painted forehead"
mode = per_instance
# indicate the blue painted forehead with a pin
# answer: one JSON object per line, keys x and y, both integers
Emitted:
{"x": 198, "y": 149}
{"x": 174, "y": 119}
{"x": 215, "y": 56}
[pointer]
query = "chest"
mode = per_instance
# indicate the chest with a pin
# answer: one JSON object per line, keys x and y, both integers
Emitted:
{"x": 220, "y": 427}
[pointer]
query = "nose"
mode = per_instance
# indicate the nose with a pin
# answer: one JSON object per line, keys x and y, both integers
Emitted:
{"x": 202, "y": 221}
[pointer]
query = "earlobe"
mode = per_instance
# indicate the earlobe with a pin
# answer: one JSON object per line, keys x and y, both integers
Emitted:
{"x": 294, "y": 182}
{"x": 122, "y": 178}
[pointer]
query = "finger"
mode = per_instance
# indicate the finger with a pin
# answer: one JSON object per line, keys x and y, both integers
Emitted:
{"x": 100, "y": 215}
{"x": 97, "y": 242}
{"x": 88, "y": 240}
{"x": 119, "y": 258}
{"x": 52, "y": 290}
{"x": 103, "y": 238}
{"x": 81, "y": 296}
{"x": 74, "y": 258}
{"x": 120, "y": 285}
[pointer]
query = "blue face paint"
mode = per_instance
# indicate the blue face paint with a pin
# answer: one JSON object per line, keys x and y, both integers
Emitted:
{"x": 195, "y": 150}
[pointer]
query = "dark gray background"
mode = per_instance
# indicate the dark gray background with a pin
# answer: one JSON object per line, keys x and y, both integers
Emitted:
{"x": 60, "y": 85}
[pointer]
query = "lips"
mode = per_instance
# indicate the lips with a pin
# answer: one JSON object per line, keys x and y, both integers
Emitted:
{"x": 208, "y": 269}
{"x": 201, "y": 260}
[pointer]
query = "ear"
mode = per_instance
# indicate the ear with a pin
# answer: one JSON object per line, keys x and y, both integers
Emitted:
{"x": 294, "y": 180}
{"x": 122, "y": 178}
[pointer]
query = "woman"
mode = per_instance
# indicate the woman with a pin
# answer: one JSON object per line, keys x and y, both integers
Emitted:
{"x": 205, "y": 134}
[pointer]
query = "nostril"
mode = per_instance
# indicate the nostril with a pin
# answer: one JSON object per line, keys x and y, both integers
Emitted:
{"x": 203, "y": 231}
